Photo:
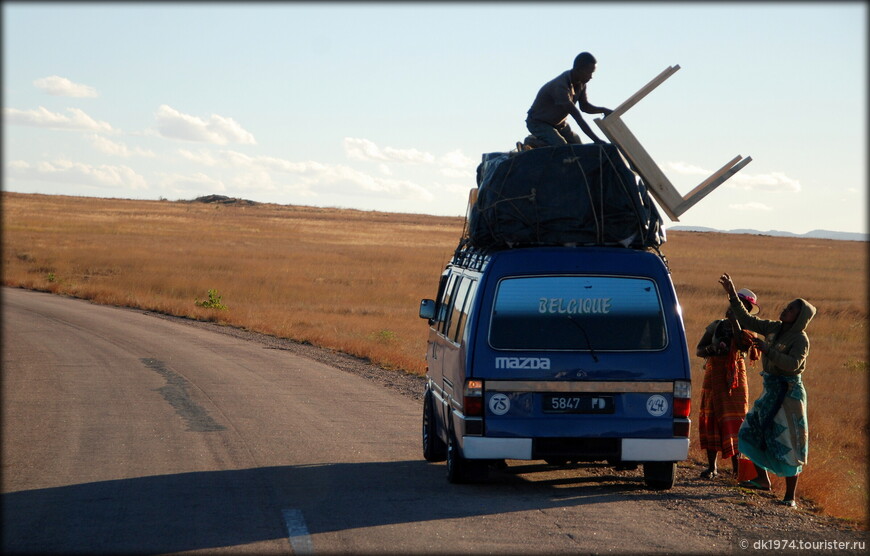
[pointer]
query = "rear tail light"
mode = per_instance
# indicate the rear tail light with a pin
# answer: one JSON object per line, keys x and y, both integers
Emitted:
{"x": 472, "y": 398}
{"x": 682, "y": 398}
{"x": 682, "y": 407}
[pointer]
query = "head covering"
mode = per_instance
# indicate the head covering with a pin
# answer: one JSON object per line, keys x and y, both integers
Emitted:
{"x": 747, "y": 296}
{"x": 807, "y": 312}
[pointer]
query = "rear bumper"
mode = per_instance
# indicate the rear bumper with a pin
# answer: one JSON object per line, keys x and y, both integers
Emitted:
{"x": 478, "y": 447}
{"x": 655, "y": 449}
{"x": 629, "y": 449}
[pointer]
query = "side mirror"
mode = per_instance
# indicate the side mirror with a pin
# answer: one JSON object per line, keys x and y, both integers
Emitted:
{"x": 427, "y": 309}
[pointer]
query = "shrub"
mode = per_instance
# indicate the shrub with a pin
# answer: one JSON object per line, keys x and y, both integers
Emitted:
{"x": 213, "y": 301}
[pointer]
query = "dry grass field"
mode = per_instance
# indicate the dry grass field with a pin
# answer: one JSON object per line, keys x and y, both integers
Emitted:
{"x": 351, "y": 281}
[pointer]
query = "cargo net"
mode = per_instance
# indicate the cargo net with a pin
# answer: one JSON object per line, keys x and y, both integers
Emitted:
{"x": 569, "y": 195}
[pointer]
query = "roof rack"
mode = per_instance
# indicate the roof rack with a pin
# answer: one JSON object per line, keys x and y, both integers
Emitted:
{"x": 468, "y": 256}
{"x": 473, "y": 258}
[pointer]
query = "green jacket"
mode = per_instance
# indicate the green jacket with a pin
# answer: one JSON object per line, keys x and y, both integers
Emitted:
{"x": 788, "y": 351}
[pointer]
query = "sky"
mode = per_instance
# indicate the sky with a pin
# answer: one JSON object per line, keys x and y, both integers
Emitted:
{"x": 390, "y": 106}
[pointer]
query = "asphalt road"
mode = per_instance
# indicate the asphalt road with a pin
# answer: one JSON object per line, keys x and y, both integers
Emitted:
{"x": 127, "y": 433}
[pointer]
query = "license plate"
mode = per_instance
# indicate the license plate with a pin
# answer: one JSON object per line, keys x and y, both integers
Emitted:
{"x": 572, "y": 403}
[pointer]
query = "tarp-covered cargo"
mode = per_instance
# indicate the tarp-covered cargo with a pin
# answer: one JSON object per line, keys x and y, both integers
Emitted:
{"x": 573, "y": 194}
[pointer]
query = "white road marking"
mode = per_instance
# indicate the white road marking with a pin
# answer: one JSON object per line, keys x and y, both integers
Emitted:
{"x": 298, "y": 532}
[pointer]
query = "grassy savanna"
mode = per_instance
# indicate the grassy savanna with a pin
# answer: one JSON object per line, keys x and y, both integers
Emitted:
{"x": 351, "y": 281}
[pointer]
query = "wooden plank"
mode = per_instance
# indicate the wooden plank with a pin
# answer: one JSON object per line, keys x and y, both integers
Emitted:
{"x": 710, "y": 184}
{"x": 643, "y": 91}
{"x": 715, "y": 175}
{"x": 657, "y": 183}
{"x": 472, "y": 196}
{"x": 472, "y": 200}
{"x": 641, "y": 162}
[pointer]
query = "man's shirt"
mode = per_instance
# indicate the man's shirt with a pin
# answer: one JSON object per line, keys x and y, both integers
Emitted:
{"x": 554, "y": 100}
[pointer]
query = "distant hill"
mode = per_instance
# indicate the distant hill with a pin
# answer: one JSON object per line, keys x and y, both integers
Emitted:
{"x": 816, "y": 234}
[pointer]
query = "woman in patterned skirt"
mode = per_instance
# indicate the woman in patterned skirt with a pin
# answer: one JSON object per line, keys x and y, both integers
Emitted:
{"x": 724, "y": 393}
{"x": 774, "y": 434}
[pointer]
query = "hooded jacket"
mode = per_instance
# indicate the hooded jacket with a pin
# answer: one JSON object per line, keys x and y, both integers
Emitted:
{"x": 788, "y": 351}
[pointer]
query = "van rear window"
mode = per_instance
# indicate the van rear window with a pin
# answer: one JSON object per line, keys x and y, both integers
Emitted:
{"x": 577, "y": 313}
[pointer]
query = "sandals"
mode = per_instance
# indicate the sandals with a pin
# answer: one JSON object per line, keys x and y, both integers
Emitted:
{"x": 709, "y": 473}
{"x": 754, "y": 485}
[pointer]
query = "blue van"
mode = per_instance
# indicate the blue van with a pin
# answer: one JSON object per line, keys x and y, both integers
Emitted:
{"x": 556, "y": 353}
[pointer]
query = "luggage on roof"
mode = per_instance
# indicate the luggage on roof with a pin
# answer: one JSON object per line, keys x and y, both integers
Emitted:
{"x": 573, "y": 194}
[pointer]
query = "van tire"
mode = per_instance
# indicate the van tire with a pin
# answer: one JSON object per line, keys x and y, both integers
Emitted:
{"x": 434, "y": 449}
{"x": 659, "y": 475}
{"x": 459, "y": 469}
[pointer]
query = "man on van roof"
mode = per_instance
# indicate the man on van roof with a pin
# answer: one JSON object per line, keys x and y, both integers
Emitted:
{"x": 547, "y": 118}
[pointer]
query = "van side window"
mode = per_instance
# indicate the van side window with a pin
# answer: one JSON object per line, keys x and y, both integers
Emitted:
{"x": 466, "y": 308}
{"x": 457, "y": 312}
{"x": 446, "y": 305}
{"x": 439, "y": 305}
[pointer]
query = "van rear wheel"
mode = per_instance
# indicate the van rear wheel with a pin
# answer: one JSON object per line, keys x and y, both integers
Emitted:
{"x": 434, "y": 449}
{"x": 461, "y": 470}
{"x": 659, "y": 475}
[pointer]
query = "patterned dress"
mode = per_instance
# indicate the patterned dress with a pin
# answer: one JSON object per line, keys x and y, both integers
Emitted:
{"x": 724, "y": 393}
{"x": 775, "y": 433}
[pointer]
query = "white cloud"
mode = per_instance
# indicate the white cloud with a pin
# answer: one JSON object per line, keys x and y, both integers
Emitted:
{"x": 457, "y": 190}
{"x": 241, "y": 160}
{"x": 363, "y": 149}
{"x": 458, "y": 159}
{"x": 457, "y": 165}
{"x": 308, "y": 178}
{"x": 256, "y": 180}
{"x": 235, "y": 159}
{"x": 328, "y": 179}
{"x": 63, "y": 87}
{"x": 752, "y": 206}
{"x": 454, "y": 164}
{"x": 203, "y": 157}
{"x": 218, "y": 130}
{"x": 771, "y": 181}
{"x": 75, "y": 173}
{"x": 42, "y": 117}
{"x": 456, "y": 173}
{"x": 342, "y": 179}
{"x": 191, "y": 183}
{"x": 688, "y": 169}
{"x": 117, "y": 149}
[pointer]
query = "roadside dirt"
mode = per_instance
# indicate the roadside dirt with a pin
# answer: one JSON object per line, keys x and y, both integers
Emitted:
{"x": 735, "y": 519}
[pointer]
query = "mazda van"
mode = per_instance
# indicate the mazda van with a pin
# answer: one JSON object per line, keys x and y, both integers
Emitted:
{"x": 561, "y": 354}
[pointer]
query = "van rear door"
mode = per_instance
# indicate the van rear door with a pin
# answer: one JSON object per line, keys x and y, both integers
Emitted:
{"x": 582, "y": 356}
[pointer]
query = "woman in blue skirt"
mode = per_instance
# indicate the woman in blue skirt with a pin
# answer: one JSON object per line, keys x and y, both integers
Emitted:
{"x": 774, "y": 433}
